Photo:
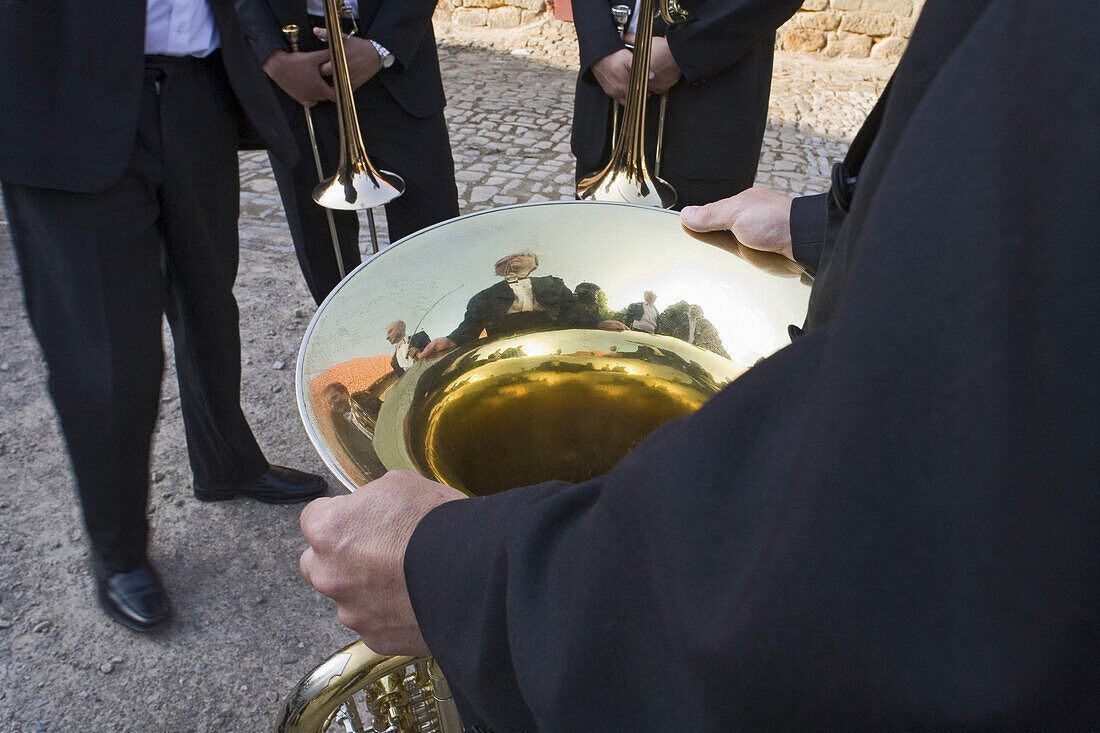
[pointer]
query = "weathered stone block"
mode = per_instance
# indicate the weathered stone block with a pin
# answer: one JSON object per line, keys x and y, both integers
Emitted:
{"x": 535, "y": 5}
{"x": 903, "y": 8}
{"x": 482, "y": 3}
{"x": 818, "y": 21}
{"x": 851, "y": 46}
{"x": 871, "y": 24}
{"x": 803, "y": 39}
{"x": 889, "y": 48}
{"x": 505, "y": 17}
{"x": 470, "y": 16}
{"x": 846, "y": 4}
{"x": 815, "y": 4}
{"x": 904, "y": 26}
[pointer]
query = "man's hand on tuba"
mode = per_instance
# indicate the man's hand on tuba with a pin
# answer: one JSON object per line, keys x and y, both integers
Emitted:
{"x": 356, "y": 556}
{"x": 759, "y": 217}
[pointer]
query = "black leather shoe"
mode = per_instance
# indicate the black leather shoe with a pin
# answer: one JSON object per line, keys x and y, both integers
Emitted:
{"x": 135, "y": 598}
{"x": 278, "y": 486}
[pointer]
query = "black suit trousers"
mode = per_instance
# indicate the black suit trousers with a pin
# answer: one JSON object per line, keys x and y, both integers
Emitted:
{"x": 417, "y": 149}
{"x": 100, "y": 269}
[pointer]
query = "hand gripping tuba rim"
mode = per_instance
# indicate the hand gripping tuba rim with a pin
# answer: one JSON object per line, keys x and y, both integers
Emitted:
{"x": 537, "y": 384}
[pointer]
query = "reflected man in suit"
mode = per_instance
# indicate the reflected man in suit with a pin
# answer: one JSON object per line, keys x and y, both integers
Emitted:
{"x": 517, "y": 303}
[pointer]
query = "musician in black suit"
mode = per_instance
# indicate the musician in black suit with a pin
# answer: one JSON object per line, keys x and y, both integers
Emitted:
{"x": 717, "y": 69}
{"x": 121, "y": 184}
{"x": 517, "y": 303}
{"x": 890, "y": 524}
{"x": 399, "y": 99}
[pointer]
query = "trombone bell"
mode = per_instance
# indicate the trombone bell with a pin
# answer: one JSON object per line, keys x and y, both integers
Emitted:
{"x": 358, "y": 188}
{"x": 357, "y": 184}
{"x": 628, "y": 186}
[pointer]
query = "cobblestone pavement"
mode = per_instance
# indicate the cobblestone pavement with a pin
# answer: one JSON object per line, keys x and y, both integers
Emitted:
{"x": 246, "y": 627}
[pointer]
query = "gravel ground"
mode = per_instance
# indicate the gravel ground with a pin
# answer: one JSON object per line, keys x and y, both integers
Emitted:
{"x": 246, "y": 627}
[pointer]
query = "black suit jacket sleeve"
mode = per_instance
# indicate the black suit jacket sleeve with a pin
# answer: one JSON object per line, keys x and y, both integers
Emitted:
{"x": 401, "y": 27}
{"x": 808, "y": 218}
{"x": 263, "y": 29}
{"x": 719, "y": 33}
{"x": 723, "y": 31}
{"x": 891, "y": 523}
{"x": 404, "y": 27}
{"x": 596, "y": 33}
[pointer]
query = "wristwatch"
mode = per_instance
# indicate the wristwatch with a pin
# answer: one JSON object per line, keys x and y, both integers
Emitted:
{"x": 384, "y": 55}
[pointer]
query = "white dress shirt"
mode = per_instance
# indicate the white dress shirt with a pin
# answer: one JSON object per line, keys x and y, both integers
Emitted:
{"x": 317, "y": 7}
{"x": 525, "y": 297}
{"x": 401, "y": 353}
{"x": 180, "y": 28}
{"x": 648, "y": 320}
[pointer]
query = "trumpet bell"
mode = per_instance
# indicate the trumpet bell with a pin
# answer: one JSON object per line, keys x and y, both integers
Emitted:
{"x": 358, "y": 188}
{"x": 536, "y": 385}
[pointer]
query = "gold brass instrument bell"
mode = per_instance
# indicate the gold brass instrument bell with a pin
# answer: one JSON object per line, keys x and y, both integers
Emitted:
{"x": 626, "y": 177}
{"x": 356, "y": 184}
{"x": 545, "y": 392}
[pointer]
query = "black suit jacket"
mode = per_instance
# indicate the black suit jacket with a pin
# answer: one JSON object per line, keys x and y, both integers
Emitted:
{"x": 717, "y": 111}
{"x": 893, "y": 522}
{"x": 404, "y": 27}
{"x": 71, "y": 97}
{"x": 488, "y": 309}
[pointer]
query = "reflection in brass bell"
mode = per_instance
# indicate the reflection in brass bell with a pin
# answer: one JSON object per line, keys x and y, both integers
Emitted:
{"x": 536, "y": 387}
{"x": 532, "y": 396}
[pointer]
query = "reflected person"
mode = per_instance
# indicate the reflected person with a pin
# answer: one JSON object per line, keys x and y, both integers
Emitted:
{"x": 519, "y": 302}
{"x": 406, "y": 347}
{"x": 687, "y": 324}
{"x": 643, "y": 316}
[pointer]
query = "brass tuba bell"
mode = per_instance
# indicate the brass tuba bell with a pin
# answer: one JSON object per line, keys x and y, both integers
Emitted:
{"x": 547, "y": 388}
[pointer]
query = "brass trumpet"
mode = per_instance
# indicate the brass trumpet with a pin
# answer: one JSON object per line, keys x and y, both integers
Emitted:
{"x": 357, "y": 184}
{"x": 626, "y": 177}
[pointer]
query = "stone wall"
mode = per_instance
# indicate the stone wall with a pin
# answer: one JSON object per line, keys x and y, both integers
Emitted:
{"x": 845, "y": 28}
{"x": 490, "y": 13}
{"x": 851, "y": 28}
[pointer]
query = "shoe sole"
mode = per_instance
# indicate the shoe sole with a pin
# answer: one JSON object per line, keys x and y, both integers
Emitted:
{"x": 205, "y": 494}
